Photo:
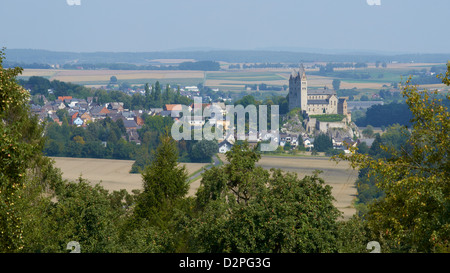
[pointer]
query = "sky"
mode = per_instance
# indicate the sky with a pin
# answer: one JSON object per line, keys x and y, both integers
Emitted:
{"x": 393, "y": 26}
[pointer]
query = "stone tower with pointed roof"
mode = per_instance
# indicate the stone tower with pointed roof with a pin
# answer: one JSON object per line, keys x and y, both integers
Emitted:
{"x": 298, "y": 89}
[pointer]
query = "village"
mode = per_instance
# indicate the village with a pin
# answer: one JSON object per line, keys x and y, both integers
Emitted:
{"x": 81, "y": 112}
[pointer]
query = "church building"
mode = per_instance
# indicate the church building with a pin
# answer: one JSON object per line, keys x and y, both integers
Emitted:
{"x": 313, "y": 102}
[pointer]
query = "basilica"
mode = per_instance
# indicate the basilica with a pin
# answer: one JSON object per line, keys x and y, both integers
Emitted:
{"x": 313, "y": 102}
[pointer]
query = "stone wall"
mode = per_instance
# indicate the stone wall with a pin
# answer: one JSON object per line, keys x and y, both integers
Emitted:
{"x": 324, "y": 126}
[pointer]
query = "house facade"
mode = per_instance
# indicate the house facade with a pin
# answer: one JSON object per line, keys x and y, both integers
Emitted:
{"x": 225, "y": 146}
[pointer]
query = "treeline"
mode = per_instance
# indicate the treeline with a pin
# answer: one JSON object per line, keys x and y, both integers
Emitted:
{"x": 155, "y": 95}
{"x": 329, "y": 67}
{"x": 386, "y": 115}
{"x": 425, "y": 79}
{"x": 281, "y": 101}
{"x": 391, "y": 113}
{"x": 100, "y": 139}
{"x": 258, "y": 65}
{"x": 27, "y": 65}
{"x": 199, "y": 151}
{"x": 117, "y": 66}
{"x": 53, "y": 89}
{"x": 200, "y": 65}
{"x": 344, "y": 74}
{"x": 265, "y": 87}
{"x": 347, "y": 93}
{"x": 387, "y": 95}
{"x": 108, "y": 139}
{"x": 396, "y": 139}
{"x": 230, "y": 56}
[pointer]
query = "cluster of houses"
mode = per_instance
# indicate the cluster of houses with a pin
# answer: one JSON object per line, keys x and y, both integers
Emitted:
{"x": 83, "y": 111}
{"x": 294, "y": 141}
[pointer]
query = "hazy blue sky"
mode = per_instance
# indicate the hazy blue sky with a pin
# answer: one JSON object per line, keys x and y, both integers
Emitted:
{"x": 157, "y": 25}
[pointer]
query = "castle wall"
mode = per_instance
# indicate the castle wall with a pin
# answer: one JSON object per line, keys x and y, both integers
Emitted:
{"x": 324, "y": 126}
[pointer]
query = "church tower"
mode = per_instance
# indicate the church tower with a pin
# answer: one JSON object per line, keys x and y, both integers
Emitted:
{"x": 298, "y": 90}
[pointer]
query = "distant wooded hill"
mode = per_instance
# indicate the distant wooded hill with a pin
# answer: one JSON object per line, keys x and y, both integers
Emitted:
{"x": 30, "y": 56}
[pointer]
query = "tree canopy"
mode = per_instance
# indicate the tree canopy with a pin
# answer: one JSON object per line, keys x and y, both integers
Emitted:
{"x": 413, "y": 215}
{"x": 244, "y": 208}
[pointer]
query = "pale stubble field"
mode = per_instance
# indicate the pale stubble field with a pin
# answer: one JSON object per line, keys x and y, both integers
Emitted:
{"x": 114, "y": 174}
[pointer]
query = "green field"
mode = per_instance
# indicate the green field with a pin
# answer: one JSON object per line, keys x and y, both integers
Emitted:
{"x": 245, "y": 76}
{"x": 172, "y": 82}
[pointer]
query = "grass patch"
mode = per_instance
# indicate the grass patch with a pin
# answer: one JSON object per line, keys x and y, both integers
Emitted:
{"x": 328, "y": 118}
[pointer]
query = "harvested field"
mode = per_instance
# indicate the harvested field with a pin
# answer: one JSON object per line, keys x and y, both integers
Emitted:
{"x": 339, "y": 176}
{"x": 114, "y": 174}
{"x": 234, "y": 80}
{"x": 111, "y": 174}
{"x": 103, "y": 76}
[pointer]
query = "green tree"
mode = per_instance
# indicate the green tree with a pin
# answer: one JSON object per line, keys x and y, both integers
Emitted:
{"x": 336, "y": 84}
{"x": 414, "y": 214}
{"x": 83, "y": 213}
{"x": 16, "y": 150}
{"x": 247, "y": 100}
{"x": 157, "y": 99}
{"x": 322, "y": 143}
{"x": 368, "y": 131}
{"x": 164, "y": 182}
{"x": 27, "y": 178}
{"x": 244, "y": 208}
{"x": 113, "y": 80}
{"x": 353, "y": 236}
{"x": 287, "y": 146}
{"x": 203, "y": 151}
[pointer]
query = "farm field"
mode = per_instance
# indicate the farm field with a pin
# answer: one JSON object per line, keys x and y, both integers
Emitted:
{"x": 111, "y": 174}
{"x": 102, "y": 77}
{"x": 341, "y": 177}
{"x": 114, "y": 174}
{"x": 232, "y": 80}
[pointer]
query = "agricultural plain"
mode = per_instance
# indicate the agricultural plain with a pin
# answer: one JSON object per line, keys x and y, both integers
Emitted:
{"x": 96, "y": 78}
{"x": 114, "y": 174}
{"x": 111, "y": 174}
{"x": 235, "y": 79}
